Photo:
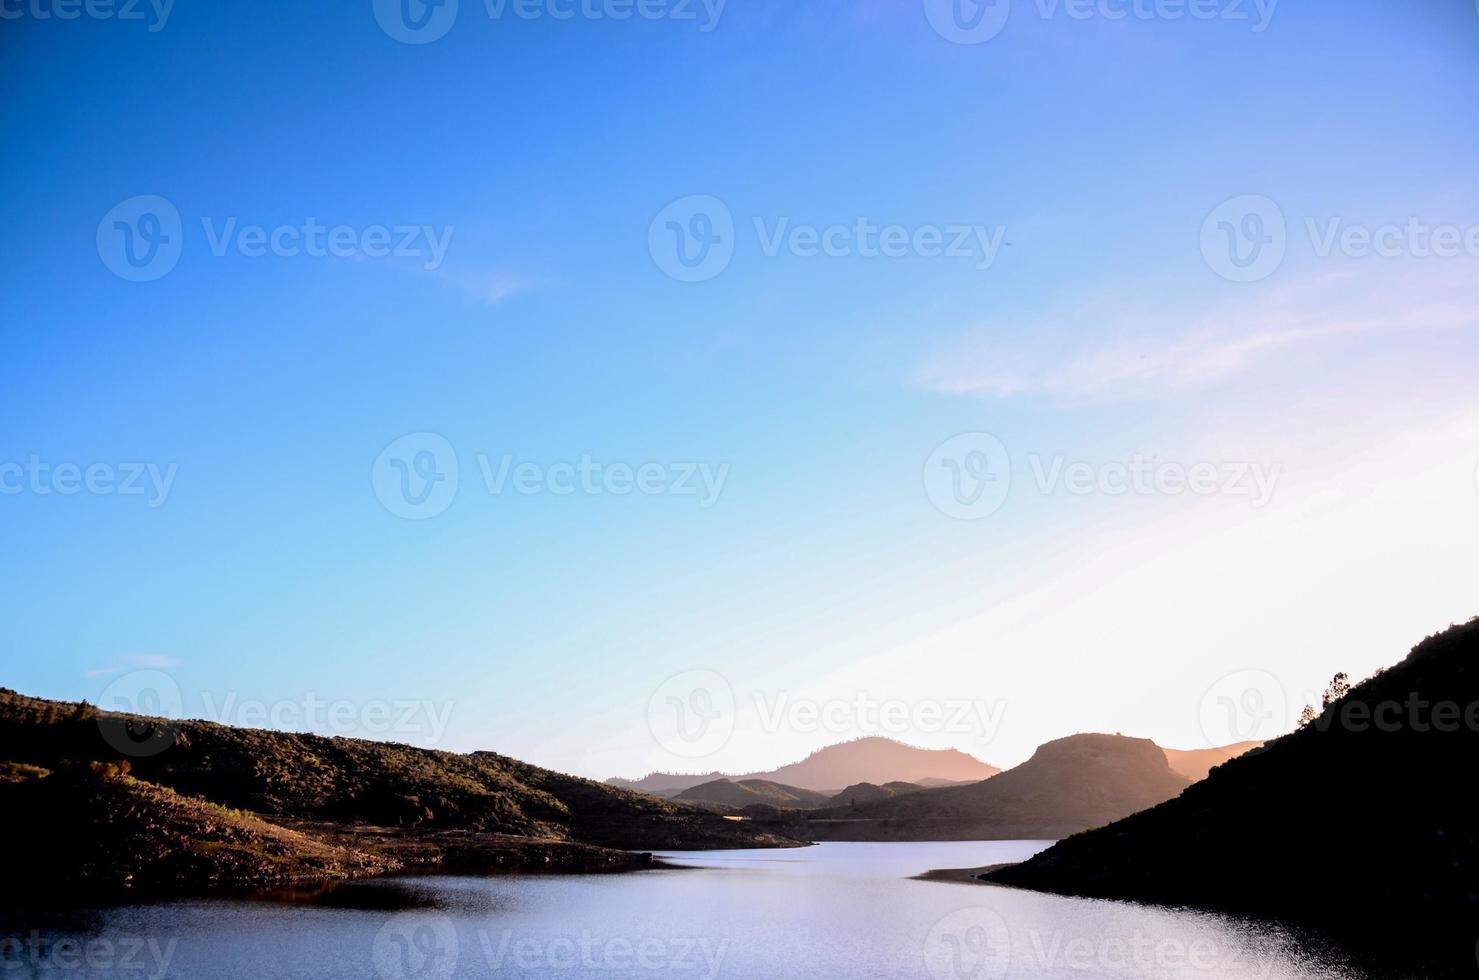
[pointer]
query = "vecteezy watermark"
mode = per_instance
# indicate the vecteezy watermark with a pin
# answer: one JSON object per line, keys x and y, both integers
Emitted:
{"x": 968, "y": 476}
{"x": 692, "y": 713}
{"x": 1140, "y": 954}
{"x": 693, "y": 239}
{"x": 40, "y": 953}
{"x": 424, "y": 21}
{"x": 142, "y": 238}
{"x": 593, "y": 477}
{"x": 153, "y": 13}
{"x": 586, "y": 952}
{"x": 154, "y": 697}
{"x": 1413, "y": 713}
{"x": 1143, "y": 475}
{"x": 969, "y": 944}
{"x": 864, "y": 714}
{"x": 416, "y": 477}
{"x": 37, "y": 477}
{"x": 1245, "y": 239}
{"x": 415, "y": 946}
{"x": 978, "y": 21}
{"x": 1248, "y": 705}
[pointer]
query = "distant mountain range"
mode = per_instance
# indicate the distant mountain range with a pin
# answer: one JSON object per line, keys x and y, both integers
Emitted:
{"x": 1361, "y": 823}
{"x": 1068, "y": 785}
{"x": 865, "y": 760}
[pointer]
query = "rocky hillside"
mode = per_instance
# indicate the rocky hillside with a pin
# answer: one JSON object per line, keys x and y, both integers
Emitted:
{"x": 285, "y": 795}
{"x": 1362, "y": 823}
{"x": 1067, "y": 786}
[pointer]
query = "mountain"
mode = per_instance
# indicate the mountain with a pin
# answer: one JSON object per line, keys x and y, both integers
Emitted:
{"x": 869, "y": 792}
{"x": 1361, "y": 824}
{"x": 666, "y": 783}
{"x": 865, "y": 760}
{"x": 1194, "y": 764}
{"x": 745, "y": 792}
{"x": 102, "y": 800}
{"x": 1067, "y": 786}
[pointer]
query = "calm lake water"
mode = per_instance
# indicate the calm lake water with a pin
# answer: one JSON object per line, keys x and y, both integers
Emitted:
{"x": 837, "y": 911}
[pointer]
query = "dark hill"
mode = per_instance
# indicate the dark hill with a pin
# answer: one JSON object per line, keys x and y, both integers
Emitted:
{"x": 1362, "y": 824}
{"x": 357, "y": 805}
{"x": 746, "y": 792}
{"x": 871, "y": 793}
{"x": 1067, "y": 786}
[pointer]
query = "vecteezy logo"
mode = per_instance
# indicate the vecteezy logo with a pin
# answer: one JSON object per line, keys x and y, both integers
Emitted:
{"x": 415, "y": 21}
{"x": 968, "y": 21}
{"x": 971, "y": 944}
{"x": 968, "y": 476}
{"x": 416, "y": 946}
{"x": 1245, "y": 706}
{"x": 692, "y": 239}
{"x": 152, "y": 696}
{"x": 415, "y": 477}
{"x": 692, "y": 713}
{"x": 140, "y": 239}
{"x": 1244, "y": 239}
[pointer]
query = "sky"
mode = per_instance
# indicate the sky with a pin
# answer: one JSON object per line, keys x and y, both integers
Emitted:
{"x": 674, "y": 386}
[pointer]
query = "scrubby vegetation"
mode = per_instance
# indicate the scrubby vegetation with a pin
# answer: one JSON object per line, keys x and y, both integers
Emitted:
{"x": 168, "y": 802}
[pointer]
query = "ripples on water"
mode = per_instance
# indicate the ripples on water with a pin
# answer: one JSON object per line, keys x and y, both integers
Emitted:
{"x": 837, "y": 911}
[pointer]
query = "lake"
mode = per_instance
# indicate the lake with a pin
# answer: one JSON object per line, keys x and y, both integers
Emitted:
{"x": 835, "y": 911}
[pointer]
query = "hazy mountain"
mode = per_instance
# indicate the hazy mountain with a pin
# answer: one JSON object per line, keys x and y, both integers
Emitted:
{"x": 1194, "y": 764}
{"x": 744, "y": 792}
{"x": 193, "y": 802}
{"x": 1361, "y": 823}
{"x": 870, "y": 792}
{"x": 866, "y": 760}
{"x": 1067, "y": 786}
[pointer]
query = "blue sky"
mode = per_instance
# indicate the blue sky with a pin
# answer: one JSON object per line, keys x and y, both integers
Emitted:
{"x": 822, "y": 385}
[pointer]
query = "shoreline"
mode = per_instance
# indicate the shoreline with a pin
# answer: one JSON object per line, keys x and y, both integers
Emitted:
{"x": 963, "y": 876}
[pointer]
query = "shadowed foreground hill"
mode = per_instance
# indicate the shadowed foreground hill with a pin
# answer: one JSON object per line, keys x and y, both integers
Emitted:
{"x": 1067, "y": 786}
{"x": 1362, "y": 823}
{"x": 289, "y": 807}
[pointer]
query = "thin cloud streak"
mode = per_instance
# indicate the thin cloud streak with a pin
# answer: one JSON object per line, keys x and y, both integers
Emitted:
{"x": 1149, "y": 355}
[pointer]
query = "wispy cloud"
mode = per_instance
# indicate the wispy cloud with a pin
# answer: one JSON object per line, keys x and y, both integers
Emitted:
{"x": 488, "y": 286}
{"x": 134, "y": 661}
{"x": 1096, "y": 353}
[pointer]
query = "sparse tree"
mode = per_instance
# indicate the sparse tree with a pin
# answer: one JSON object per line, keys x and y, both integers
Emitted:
{"x": 1307, "y": 716}
{"x": 1340, "y": 686}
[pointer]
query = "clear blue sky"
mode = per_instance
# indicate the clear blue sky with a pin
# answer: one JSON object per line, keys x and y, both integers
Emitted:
{"x": 547, "y": 147}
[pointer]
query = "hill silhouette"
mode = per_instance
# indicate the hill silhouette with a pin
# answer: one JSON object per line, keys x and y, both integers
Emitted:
{"x": 1194, "y": 764}
{"x": 1361, "y": 823}
{"x": 865, "y": 760}
{"x": 869, "y": 792}
{"x": 1068, "y": 785}
{"x": 294, "y": 806}
{"x": 745, "y": 792}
